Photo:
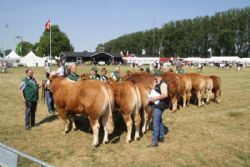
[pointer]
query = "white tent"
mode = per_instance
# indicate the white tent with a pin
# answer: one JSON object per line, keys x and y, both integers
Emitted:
{"x": 194, "y": 59}
{"x": 220, "y": 59}
{"x": 246, "y": 61}
{"x": 31, "y": 60}
{"x": 13, "y": 55}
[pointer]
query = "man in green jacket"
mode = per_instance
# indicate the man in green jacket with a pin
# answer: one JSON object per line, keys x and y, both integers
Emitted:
{"x": 73, "y": 76}
{"x": 29, "y": 94}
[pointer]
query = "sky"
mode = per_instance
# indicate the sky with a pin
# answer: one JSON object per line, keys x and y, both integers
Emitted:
{"x": 91, "y": 22}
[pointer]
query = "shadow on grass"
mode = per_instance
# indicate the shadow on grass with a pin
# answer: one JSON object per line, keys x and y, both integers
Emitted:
{"x": 47, "y": 119}
{"x": 82, "y": 124}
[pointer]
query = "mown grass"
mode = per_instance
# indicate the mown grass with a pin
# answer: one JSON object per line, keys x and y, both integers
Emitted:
{"x": 214, "y": 135}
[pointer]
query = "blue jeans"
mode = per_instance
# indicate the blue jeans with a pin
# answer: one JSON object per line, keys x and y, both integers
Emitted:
{"x": 158, "y": 127}
{"x": 49, "y": 101}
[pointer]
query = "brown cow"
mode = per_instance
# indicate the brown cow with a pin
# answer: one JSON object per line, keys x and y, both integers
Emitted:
{"x": 208, "y": 88}
{"x": 185, "y": 87}
{"x": 84, "y": 97}
{"x": 128, "y": 100}
{"x": 216, "y": 88}
{"x": 144, "y": 81}
{"x": 198, "y": 86}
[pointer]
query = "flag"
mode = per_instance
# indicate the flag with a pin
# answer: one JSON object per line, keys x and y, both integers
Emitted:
{"x": 47, "y": 25}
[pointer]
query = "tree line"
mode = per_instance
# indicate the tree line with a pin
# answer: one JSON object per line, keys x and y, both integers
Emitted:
{"x": 226, "y": 33}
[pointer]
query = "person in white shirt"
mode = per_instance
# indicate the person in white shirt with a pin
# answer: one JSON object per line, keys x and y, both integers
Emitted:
{"x": 60, "y": 70}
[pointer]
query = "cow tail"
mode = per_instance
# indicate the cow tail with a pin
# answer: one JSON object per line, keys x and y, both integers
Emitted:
{"x": 111, "y": 102}
{"x": 139, "y": 104}
{"x": 137, "y": 117}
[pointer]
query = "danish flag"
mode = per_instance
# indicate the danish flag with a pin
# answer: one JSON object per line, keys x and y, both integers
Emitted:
{"x": 47, "y": 25}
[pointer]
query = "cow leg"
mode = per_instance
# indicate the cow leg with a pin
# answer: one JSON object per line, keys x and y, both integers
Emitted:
{"x": 188, "y": 99}
{"x": 106, "y": 132}
{"x": 65, "y": 119}
{"x": 137, "y": 120}
{"x": 184, "y": 98}
{"x": 145, "y": 121}
{"x": 198, "y": 95}
{"x": 95, "y": 126}
{"x": 72, "y": 121}
{"x": 174, "y": 104}
{"x": 129, "y": 123}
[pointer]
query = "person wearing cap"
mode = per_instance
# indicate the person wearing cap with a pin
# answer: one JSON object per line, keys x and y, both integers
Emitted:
{"x": 103, "y": 75}
{"x": 94, "y": 73}
{"x": 29, "y": 93}
{"x": 73, "y": 76}
{"x": 158, "y": 108}
{"x": 115, "y": 75}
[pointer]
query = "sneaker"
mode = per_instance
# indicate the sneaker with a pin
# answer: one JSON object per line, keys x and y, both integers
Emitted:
{"x": 27, "y": 128}
{"x": 153, "y": 145}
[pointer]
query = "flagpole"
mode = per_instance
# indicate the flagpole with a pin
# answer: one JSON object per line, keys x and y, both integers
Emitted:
{"x": 50, "y": 47}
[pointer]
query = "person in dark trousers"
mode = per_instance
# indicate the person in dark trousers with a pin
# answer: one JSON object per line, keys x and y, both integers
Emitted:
{"x": 49, "y": 96}
{"x": 158, "y": 128}
{"x": 29, "y": 94}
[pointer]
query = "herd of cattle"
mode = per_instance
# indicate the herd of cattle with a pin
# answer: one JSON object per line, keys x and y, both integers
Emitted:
{"x": 129, "y": 96}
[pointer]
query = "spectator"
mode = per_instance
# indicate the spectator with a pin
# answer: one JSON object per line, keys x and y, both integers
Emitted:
{"x": 29, "y": 94}
{"x": 103, "y": 75}
{"x": 73, "y": 73}
{"x": 48, "y": 95}
{"x": 116, "y": 74}
{"x": 94, "y": 73}
{"x": 61, "y": 70}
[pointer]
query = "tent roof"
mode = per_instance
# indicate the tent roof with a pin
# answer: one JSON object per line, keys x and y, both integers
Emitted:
{"x": 13, "y": 55}
{"x": 31, "y": 57}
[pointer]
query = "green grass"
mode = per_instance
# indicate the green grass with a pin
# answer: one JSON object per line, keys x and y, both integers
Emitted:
{"x": 214, "y": 135}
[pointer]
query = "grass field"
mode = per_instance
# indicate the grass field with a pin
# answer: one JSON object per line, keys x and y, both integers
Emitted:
{"x": 214, "y": 135}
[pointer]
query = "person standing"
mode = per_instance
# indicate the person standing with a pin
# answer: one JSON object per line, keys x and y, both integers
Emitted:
{"x": 61, "y": 70}
{"x": 73, "y": 73}
{"x": 94, "y": 74}
{"x": 103, "y": 75}
{"x": 116, "y": 74}
{"x": 29, "y": 94}
{"x": 158, "y": 128}
{"x": 4, "y": 67}
{"x": 49, "y": 95}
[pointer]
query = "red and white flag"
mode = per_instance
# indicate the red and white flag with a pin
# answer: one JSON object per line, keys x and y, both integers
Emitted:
{"x": 47, "y": 25}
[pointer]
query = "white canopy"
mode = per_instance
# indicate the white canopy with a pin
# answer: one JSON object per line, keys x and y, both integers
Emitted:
{"x": 224, "y": 58}
{"x": 31, "y": 60}
{"x": 13, "y": 55}
{"x": 194, "y": 59}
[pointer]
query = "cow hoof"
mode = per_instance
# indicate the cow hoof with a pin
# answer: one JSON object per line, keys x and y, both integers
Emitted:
{"x": 105, "y": 142}
{"x": 94, "y": 145}
{"x": 137, "y": 138}
{"x": 143, "y": 130}
{"x": 128, "y": 141}
{"x": 173, "y": 111}
{"x": 65, "y": 132}
{"x": 74, "y": 129}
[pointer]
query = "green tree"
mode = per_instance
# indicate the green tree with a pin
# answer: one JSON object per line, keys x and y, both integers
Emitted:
{"x": 24, "y": 48}
{"x": 59, "y": 41}
{"x": 224, "y": 31}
